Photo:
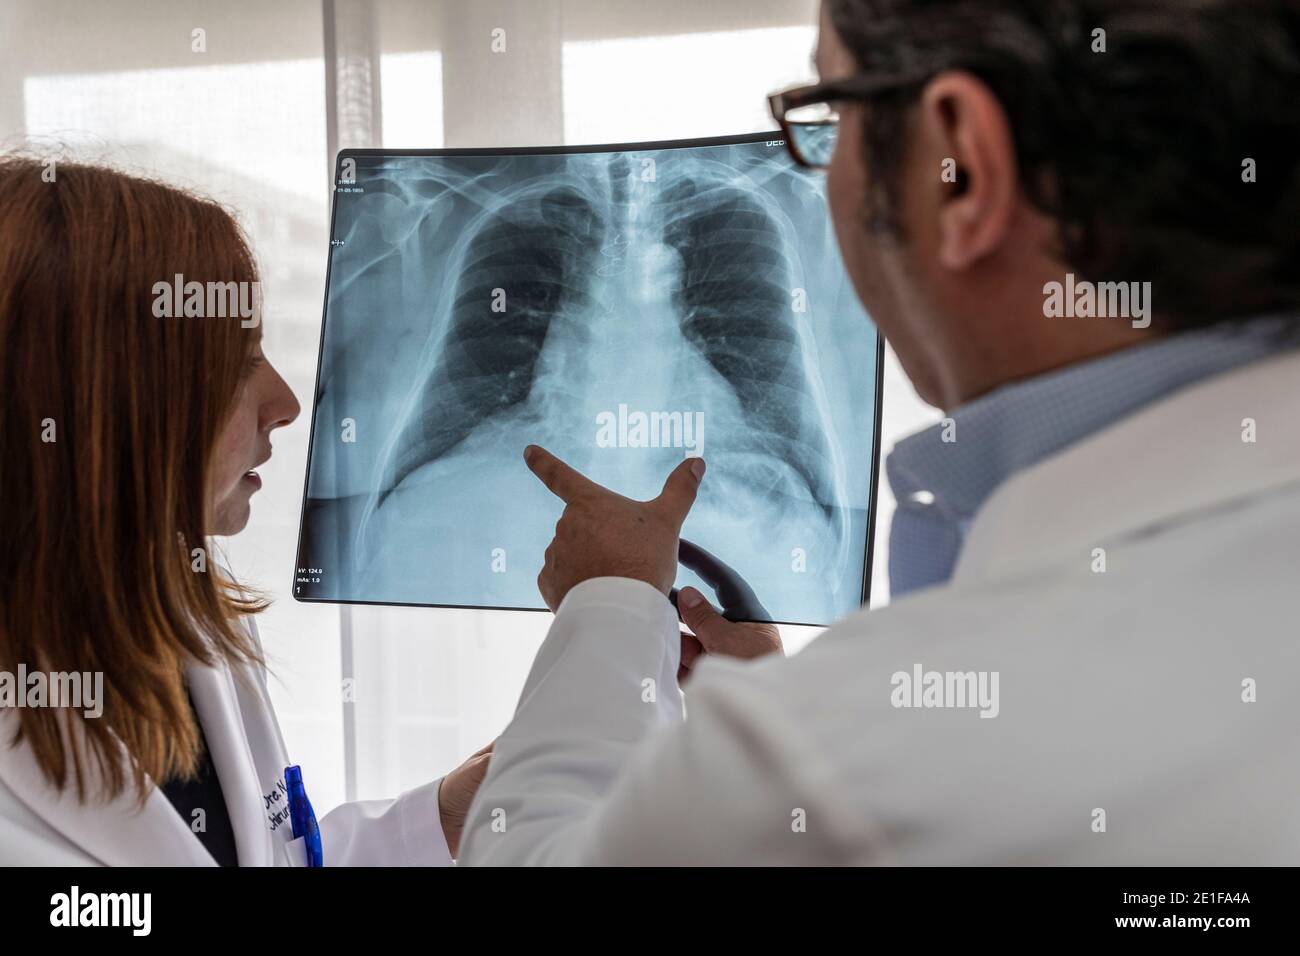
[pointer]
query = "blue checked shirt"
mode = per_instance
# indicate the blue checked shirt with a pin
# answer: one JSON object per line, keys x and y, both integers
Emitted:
{"x": 939, "y": 486}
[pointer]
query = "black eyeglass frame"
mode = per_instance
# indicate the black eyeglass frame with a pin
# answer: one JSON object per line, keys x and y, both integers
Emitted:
{"x": 858, "y": 87}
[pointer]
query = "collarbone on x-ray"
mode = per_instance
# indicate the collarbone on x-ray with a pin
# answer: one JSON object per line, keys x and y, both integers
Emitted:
{"x": 622, "y": 309}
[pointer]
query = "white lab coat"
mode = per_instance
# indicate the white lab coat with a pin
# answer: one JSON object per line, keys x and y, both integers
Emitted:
{"x": 1124, "y": 733}
{"x": 40, "y": 827}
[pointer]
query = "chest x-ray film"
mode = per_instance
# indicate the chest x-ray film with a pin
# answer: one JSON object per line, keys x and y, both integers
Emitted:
{"x": 621, "y": 306}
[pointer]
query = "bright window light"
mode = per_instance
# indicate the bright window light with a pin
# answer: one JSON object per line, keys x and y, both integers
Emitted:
{"x": 411, "y": 86}
{"x": 204, "y": 114}
{"x": 680, "y": 86}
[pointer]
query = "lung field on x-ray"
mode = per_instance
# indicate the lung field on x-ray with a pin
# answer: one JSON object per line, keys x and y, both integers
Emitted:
{"x": 530, "y": 261}
{"x": 621, "y": 309}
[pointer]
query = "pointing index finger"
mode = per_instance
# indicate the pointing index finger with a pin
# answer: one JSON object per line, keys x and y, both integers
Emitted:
{"x": 565, "y": 483}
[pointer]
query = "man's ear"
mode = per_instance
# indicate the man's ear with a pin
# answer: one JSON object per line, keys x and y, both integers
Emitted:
{"x": 964, "y": 126}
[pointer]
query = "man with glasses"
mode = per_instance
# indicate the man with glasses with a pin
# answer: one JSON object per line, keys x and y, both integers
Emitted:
{"x": 1075, "y": 223}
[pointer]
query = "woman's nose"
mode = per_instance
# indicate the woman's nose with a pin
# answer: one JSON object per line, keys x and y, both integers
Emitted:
{"x": 283, "y": 407}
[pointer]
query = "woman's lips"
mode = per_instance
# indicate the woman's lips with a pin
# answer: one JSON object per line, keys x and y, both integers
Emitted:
{"x": 254, "y": 479}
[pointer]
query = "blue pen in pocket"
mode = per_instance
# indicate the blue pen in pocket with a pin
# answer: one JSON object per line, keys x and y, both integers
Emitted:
{"x": 301, "y": 816}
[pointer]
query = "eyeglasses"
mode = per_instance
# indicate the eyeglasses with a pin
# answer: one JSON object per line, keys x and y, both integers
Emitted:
{"x": 810, "y": 121}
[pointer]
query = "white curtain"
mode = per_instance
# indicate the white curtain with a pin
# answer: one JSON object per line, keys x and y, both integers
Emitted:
{"x": 248, "y": 101}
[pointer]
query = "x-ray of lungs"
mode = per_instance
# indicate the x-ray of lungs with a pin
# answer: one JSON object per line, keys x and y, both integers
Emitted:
{"x": 621, "y": 306}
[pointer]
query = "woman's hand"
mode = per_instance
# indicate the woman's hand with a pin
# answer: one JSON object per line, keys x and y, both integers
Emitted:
{"x": 456, "y": 793}
{"x": 714, "y": 634}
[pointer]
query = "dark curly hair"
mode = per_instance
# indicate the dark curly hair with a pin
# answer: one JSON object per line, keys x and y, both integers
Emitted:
{"x": 1138, "y": 152}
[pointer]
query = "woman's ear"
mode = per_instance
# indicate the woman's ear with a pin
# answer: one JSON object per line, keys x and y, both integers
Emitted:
{"x": 965, "y": 134}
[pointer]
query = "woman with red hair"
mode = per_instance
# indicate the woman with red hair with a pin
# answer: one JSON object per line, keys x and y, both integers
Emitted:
{"x": 129, "y": 438}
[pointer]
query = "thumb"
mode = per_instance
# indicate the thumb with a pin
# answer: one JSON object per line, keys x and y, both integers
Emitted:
{"x": 698, "y": 614}
{"x": 679, "y": 489}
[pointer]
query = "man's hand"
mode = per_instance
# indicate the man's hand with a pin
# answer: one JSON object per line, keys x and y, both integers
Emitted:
{"x": 602, "y": 534}
{"x": 456, "y": 793}
{"x": 714, "y": 634}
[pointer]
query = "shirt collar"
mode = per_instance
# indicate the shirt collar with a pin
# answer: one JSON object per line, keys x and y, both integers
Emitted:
{"x": 953, "y": 466}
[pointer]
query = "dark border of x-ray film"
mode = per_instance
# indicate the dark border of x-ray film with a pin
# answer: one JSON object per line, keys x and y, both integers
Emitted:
{"x": 775, "y": 137}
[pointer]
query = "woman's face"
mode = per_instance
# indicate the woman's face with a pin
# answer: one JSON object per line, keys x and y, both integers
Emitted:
{"x": 265, "y": 402}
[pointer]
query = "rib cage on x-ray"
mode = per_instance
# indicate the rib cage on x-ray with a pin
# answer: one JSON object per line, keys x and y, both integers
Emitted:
{"x": 539, "y": 245}
{"x": 549, "y": 246}
{"x": 734, "y": 297}
{"x": 546, "y": 291}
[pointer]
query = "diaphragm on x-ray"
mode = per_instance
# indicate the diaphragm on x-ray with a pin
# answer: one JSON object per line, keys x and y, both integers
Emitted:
{"x": 623, "y": 307}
